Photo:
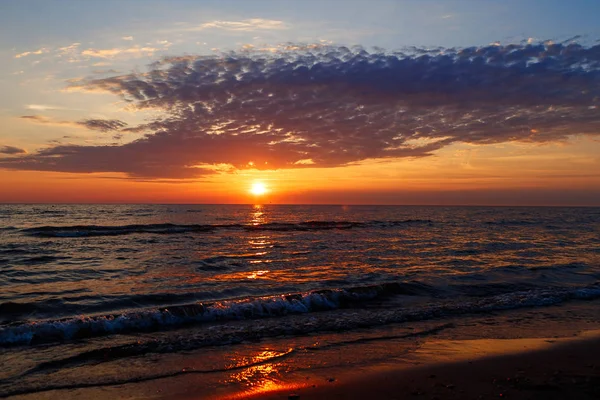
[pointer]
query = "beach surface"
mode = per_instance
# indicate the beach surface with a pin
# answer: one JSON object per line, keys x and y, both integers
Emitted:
{"x": 509, "y": 354}
{"x": 533, "y": 369}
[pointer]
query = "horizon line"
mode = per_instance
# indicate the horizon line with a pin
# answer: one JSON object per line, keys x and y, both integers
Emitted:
{"x": 305, "y": 204}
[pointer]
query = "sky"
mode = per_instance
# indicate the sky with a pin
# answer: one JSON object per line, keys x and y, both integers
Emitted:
{"x": 429, "y": 102}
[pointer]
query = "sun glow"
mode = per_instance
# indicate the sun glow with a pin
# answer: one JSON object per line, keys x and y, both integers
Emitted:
{"x": 258, "y": 189}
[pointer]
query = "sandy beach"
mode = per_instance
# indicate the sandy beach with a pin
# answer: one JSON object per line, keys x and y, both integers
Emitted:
{"x": 567, "y": 369}
{"x": 518, "y": 359}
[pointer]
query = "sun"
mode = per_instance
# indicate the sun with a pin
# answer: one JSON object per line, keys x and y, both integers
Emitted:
{"x": 258, "y": 189}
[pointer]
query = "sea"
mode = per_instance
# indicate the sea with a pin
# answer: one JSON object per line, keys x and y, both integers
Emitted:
{"x": 99, "y": 295}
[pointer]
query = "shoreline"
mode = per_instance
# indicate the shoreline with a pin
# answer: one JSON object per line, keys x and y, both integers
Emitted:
{"x": 471, "y": 369}
{"x": 531, "y": 353}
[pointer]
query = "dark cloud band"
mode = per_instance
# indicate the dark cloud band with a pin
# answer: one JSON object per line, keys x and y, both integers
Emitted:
{"x": 11, "y": 150}
{"x": 328, "y": 106}
{"x": 102, "y": 125}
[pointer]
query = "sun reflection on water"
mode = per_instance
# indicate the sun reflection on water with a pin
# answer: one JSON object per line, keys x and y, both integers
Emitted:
{"x": 258, "y": 274}
{"x": 258, "y": 215}
{"x": 261, "y": 244}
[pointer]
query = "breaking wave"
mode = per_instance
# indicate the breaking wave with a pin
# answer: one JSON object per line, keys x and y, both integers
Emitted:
{"x": 153, "y": 319}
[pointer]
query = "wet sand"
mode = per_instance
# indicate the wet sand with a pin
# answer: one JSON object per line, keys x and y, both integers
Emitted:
{"x": 534, "y": 369}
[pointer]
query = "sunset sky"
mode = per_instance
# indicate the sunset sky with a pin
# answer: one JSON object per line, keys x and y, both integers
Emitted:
{"x": 337, "y": 102}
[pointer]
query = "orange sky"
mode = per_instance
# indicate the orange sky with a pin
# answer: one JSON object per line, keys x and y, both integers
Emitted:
{"x": 508, "y": 174}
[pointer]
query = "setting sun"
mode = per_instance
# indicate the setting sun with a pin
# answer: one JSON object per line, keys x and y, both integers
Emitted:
{"x": 258, "y": 189}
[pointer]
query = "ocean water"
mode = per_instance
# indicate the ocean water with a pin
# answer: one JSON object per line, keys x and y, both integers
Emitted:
{"x": 84, "y": 285}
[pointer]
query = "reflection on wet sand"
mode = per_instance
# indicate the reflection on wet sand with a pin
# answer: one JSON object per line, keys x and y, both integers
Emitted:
{"x": 262, "y": 377}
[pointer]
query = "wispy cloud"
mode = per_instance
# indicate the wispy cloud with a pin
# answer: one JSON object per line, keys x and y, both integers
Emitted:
{"x": 245, "y": 25}
{"x": 74, "y": 54}
{"x": 127, "y": 38}
{"x": 136, "y": 51}
{"x": 30, "y": 53}
{"x": 68, "y": 49}
{"x": 102, "y": 125}
{"x": 105, "y": 71}
{"x": 165, "y": 43}
{"x": 11, "y": 150}
{"x": 42, "y": 107}
{"x": 325, "y": 106}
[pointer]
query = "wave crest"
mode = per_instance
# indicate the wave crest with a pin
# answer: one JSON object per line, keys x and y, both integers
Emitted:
{"x": 100, "y": 230}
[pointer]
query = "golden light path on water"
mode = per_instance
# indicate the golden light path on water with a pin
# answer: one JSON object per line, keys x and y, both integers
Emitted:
{"x": 261, "y": 243}
{"x": 262, "y": 378}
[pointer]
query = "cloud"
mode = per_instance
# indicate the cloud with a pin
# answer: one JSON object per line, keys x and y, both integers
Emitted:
{"x": 101, "y": 64}
{"x": 326, "y": 106}
{"x": 30, "y": 53}
{"x": 245, "y": 25}
{"x": 38, "y": 119}
{"x": 135, "y": 51}
{"x": 127, "y": 38}
{"x": 11, "y": 150}
{"x": 102, "y": 125}
{"x": 68, "y": 49}
{"x": 105, "y": 71}
{"x": 42, "y": 107}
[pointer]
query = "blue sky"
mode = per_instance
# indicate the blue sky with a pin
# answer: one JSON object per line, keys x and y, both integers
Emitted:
{"x": 28, "y": 24}
{"x": 172, "y": 28}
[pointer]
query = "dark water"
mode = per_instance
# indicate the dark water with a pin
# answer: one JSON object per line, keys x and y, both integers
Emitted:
{"x": 79, "y": 282}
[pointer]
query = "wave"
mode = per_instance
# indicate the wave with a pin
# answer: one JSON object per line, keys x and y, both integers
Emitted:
{"x": 99, "y": 230}
{"x": 13, "y": 311}
{"x": 11, "y": 249}
{"x": 514, "y": 222}
{"x": 154, "y": 319}
{"x": 96, "y": 230}
{"x": 159, "y": 318}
